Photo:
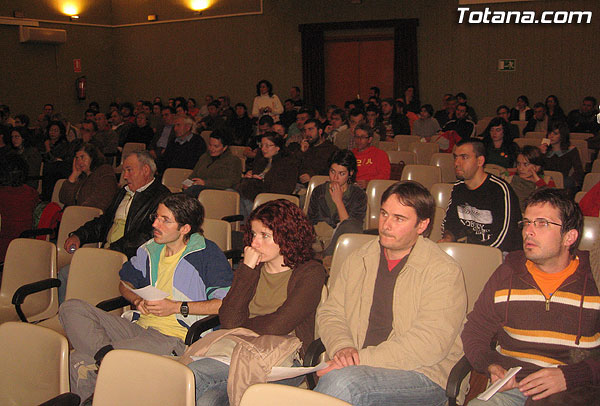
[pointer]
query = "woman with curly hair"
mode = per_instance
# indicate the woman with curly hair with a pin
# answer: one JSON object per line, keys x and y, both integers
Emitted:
{"x": 265, "y": 102}
{"x": 275, "y": 291}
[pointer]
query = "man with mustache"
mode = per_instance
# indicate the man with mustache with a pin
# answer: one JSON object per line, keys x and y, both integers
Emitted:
{"x": 392, "y": 319}
{"x": 542, "y": 307}
{"x": 483, "y": 208}
{"x": 180, "y": 262}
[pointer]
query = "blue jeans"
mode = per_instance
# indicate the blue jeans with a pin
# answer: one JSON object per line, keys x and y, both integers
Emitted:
{"x": 362, "y": 385}
{"x": 512, "y": 397}
{"x": 211, "y": 382}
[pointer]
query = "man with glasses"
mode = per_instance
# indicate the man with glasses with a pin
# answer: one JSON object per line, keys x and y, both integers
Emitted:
{"x": 541, "y": 306}
{"x": 190, "y": 271}
{"x": 372, "y": 162}
{"x": 483, "y": 208}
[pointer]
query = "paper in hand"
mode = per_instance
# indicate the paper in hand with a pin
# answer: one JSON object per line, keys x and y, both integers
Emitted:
{"x": 148, "y": 293}
{"x": 491, "y": 391}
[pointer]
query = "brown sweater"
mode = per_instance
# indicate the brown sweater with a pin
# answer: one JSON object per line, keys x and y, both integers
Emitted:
{"x": 296, "y": 314}
{"x": 96, "y": 190}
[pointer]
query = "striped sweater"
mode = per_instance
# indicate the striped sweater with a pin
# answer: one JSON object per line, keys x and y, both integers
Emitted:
{"x": 535, "y": 332}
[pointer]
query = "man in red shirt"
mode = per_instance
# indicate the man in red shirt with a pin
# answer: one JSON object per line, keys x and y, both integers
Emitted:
{"x": 372, "y": 162}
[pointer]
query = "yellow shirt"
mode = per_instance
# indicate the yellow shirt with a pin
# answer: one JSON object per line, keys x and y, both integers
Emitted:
{"x": 167, "y": 325}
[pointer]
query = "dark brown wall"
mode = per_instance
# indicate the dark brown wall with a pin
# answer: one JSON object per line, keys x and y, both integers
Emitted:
{"x": 229, "y": 55}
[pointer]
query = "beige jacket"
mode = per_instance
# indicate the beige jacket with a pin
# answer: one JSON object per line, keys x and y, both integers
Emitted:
{"x": 430, "y": 304}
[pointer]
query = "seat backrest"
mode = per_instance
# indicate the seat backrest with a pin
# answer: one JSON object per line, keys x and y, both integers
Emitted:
{"x": 73, "y": 218}
{"x": 272, "y": 394}
{"x": 35, "y": 364}
{"x": 426, "y": 175}
{"x": 28, "y": 261}
{"x": 436, "y": 227}
{"x": 441, "y": 193}
{"x": 173, "y": 177}
{"x": 164, "y": 380}
{"x": 424, "y": 151}
{"x": 219, "y": 203}
{"x": 130, "y": 147}
{"x": 206, "y": 135}
{"x": 556, "y": 176}
{"x": 596, "y": 166}
{"x": 314, "y": 182}
{"x": 536, "y": 134}
{"x": 521, "y": 124}
{"x": 582, "y": 147}
{"x": 478, "y": 263}
{"x": 346, "y": 244}
{"x": 580, "y": 136}
{"x": 219, "y": 232}
{"x": 521, "y": 142}
{"x": 94, "y": 275}
{"x": 267, "y": 197}
{"x": 482, "y": 125}
{"x": 590, "y": 180}
{"x": 404, "y": 141}
{"x": 445, "y": 162}
{"x": 388, "y": 145}
{"x": 590, "y": 234}
{"x": 375, "y": 189}
{"x": 494, "y": 169}
{"x": 408, "y": 157}
{"x": 56, "y": 192}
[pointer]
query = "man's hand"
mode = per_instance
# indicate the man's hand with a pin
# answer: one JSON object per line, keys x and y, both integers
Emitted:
{"x": 72, "y": 240}
{"x": 304, "y": 145}
{"x": 251, "y": 257}
{"x": 331, "y": 366}
{"x": 543, "y": 383}
{"x": 198, "y": 181}
{"x": 497, "y": 372}
{"x": 162, "y": 308}
{"x": 347, "y": 356}
{"x": 304, "y": 178}
{"x": 140, "y": 305}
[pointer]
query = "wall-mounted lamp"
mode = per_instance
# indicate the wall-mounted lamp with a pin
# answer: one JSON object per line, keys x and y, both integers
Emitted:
{"x": 152, "y": 17}
{"x": 71, "y": 10}
{"x": 199, "y": 5}
{"x": 74, "y": 17}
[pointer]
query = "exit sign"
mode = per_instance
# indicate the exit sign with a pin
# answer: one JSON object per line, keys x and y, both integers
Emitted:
{"x": 507, "y": 65}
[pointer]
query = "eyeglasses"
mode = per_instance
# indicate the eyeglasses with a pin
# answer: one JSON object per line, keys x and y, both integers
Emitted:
{"x": 538, "y": 223}
{"x": 153, "y": 217}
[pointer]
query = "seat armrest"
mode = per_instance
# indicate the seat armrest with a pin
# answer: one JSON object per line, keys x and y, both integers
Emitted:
{"x": 113, "y": 304}
{"x": 65, "y": 399}
{"x": 36, "y": 232}
{"x": 311, "y": 359}
{"x": 200, "y": 327}
{"x": 233, "y": 218}
{"x": 29, "y": 289}
{"x": 460, "y": 370}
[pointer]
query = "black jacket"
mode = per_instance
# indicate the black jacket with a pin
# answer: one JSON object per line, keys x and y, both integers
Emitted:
{"x": 138, "y": 227}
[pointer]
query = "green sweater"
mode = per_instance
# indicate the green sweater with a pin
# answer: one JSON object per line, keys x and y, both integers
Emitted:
{"x": 223, "y": 172}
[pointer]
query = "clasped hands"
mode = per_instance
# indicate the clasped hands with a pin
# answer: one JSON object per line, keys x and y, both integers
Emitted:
{"x": 162, "y": 308}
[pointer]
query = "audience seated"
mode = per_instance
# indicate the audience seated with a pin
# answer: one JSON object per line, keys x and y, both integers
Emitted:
{"x": 242, "y": 125}
{"x": 583, "y": 120}
{"x": 499, "y": 150}
{"x": 17, "y": 201}
{"x": 295, "y": 131}
{"x": 461, "y": 123}
{"x": 483, "y": 208}
{"x": 563, "y": 157}
{"x": 315, "y": 151}
{"x": 217, "y": 168}
{"x": 337, "y": 206}
{"x": 337, "y": 124}
{"x": 553, "y": 109}
{"x": 183, "y": 150}
{"x": 344, "y": 139}
{"x": 411, "y": 99}
{"x": 504, "y": 113}
{"x": 105, "y": 138}
{"x": 275, "y": 291}
{"x": 58, "y": 157}
{"x": 521, "y": 111}
{"x": 92, "y": 182}
{"x": 288, "y": 117}
{"x": 120, "y": 127}
{"x": 372, "y": 162}
{"x": 426, "y": 126}
{"x": 394, "y": 123}
{"x": 448, "y": 112}
{"x": 179, "y": 261}
{"x": 212, "y": 120}
{"x": 141, "y": 131}
{"x": 22, "y": 145}
{"x": 530, "y": 174}
{"x": 540, "y": 120}
{"x": 471, "y": 114}
{"x": 164, "y": 133}
{"x": 274, "y": 170}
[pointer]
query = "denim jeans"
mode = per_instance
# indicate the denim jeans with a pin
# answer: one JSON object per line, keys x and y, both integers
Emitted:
{"x": 362, "y": 385}
{"x": 512, "y": 397}
{"x": 211, "y": 382}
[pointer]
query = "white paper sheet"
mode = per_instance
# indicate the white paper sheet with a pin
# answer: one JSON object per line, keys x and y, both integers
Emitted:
{"x": 148, "y": 292}
{"x": 491, "y": 391}
{"x": 277, "y": 373}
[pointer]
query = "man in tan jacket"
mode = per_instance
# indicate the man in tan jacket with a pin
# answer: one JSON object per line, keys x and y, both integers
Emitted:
{"x": 392, "y": 320}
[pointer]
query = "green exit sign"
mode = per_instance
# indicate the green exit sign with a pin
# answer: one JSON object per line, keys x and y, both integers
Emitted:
{"x": 507, "y": 65}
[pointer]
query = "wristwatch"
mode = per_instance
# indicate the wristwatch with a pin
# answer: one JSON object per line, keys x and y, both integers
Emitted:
{"x": 184, "y": 309}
